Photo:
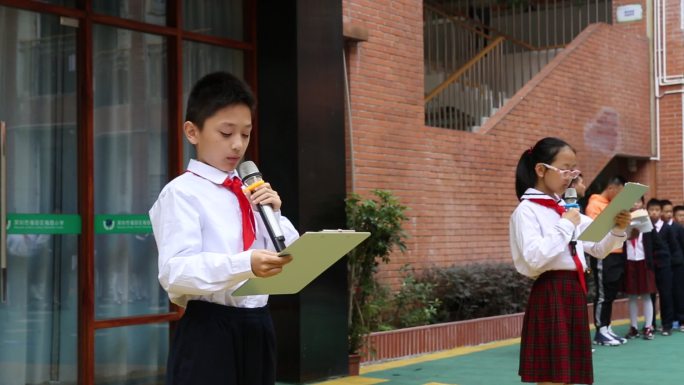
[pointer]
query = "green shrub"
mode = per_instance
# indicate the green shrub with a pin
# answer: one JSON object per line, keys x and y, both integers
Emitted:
{"x": 413, "y": 305}
{"x": 383, "y": 217}
{"x": 477, "y": 290}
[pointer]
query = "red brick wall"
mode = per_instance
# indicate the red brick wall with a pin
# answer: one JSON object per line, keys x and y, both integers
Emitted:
{"x": 669, "y": 169}
{"x": 636, "y": 27}
{"x": 460, "y": 186}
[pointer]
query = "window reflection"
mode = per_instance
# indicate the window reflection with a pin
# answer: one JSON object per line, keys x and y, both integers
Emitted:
{"x": 130, "y": 125}
{"x": 148, "y": 11}
{"x": 221, "y": 18}
{"x": 202, "y": 59}
{"x": 38, "y": 103}
{"x": 131, "y": 355}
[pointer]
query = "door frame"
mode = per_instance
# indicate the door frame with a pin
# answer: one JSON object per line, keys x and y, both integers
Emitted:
{"x": 83, "y": 16}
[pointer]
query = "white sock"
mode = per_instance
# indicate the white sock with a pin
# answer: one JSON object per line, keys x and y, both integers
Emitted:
{"x": 648, "y": 310}
{"x": 634, "y": 310}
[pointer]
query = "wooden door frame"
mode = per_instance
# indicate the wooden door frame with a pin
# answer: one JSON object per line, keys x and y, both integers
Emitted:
{"x": 175, "y": 36}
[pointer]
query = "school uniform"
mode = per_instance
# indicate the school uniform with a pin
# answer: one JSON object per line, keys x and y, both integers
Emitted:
{"x": 198, "y": 227}
{"x": 639, "y": 274}
{"x": 677, "y": 264}
{"x": 555, "y": 341}
{"x": 663, "y": 273}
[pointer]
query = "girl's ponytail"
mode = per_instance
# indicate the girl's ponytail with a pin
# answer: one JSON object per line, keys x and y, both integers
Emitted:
{"x": 544, "y": 151}
{"x": 525, "y": 177}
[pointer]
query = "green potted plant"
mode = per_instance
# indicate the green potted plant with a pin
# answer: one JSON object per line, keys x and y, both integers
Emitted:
{"x": 383, "y": 218}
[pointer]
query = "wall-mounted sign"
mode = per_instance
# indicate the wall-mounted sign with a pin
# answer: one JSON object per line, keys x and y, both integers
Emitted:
{"x": 43, "y": 224}
{"x": 631, "y": 12}
{"x": 123, "y": 224}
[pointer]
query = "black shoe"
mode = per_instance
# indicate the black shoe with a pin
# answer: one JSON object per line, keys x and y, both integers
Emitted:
{"x": 632, "y": 333}
{"x": 648, "y": 333}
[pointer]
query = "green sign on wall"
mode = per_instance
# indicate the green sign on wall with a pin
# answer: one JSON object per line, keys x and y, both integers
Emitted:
{"x": 43, "y": 224}
{"x": 71, "y": 224}
{"x": 122, "y": 224}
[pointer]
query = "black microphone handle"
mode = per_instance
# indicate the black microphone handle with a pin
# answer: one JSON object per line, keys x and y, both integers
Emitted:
{"x": 278, "y": 240}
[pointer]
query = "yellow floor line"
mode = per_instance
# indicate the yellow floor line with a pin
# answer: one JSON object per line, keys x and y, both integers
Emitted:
{"x": 438, "y": 383}
{"x": 459, "y": 351}
{"x": 437, "y": 356}
{"x": 354, "y": 381}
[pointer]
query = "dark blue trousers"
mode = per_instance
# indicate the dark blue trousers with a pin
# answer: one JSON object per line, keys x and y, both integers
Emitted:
{"x": 678, "y": 292}
{"x": 221, "y": 345}
{"x": 664, "y": 283}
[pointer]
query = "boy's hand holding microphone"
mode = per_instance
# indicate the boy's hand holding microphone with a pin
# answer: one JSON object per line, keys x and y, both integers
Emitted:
{"x": 265, "y": 263}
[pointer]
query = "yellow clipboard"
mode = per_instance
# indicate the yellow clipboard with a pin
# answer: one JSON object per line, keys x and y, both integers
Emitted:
{"x": 605, "y": 221}
{"x": 313, "y": 252}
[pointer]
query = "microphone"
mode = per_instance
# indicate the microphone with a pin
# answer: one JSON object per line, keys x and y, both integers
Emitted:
{"x": 570, "y": 198}
{"x": 250, "y": 175}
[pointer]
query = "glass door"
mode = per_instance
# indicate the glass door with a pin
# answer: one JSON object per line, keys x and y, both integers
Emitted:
{"x": 38, "y": 308}
{"x": 130, "y": 125}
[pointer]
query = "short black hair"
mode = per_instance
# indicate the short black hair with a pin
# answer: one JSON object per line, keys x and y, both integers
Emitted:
{"x": 666, "y": 202}
{"x": 654, "y": 202}
{"x": 678, "y": 208}
{"x": 216, "y": 91}
{"x": 544, "y": 151}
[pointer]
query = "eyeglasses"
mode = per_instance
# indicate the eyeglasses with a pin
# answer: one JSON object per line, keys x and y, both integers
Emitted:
{"x": 565, "y": 174}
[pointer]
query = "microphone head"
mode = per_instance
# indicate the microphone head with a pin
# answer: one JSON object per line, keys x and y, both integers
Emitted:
{"x": 570, "y": 195}
{"x": 247, "y": 169}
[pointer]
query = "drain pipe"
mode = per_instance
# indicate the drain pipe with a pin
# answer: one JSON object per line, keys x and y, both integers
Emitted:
{"x": 659, "y": 61}
{"x": 652, "y": 27}
{"x": 661, "y": 44}
{"x": 347, "y": 102}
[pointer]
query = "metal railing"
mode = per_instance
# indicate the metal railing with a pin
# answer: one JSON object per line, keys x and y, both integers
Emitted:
{"x": 461, "y": 93}
{"x": 471, "y": 92}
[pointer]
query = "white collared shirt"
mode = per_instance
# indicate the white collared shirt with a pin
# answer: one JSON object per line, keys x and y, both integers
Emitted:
{"x": 636, "y": 253}
{"x": 198, "y": 229}
{"x": 659, "y": 225}
{"x": 539, "y": 238}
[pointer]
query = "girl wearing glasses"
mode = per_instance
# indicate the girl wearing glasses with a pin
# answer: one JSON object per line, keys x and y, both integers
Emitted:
{"x": 555, "y": 342}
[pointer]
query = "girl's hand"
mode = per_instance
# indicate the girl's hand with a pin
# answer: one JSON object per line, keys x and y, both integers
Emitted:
{"x": 623, "y": 219}
{"x": 264, "y": 195}
{"x": 573, "y": 215}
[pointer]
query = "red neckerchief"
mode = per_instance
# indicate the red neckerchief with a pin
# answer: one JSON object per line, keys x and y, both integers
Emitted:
{"x": 550, "y": 203}
{"x": 248, "y": 226}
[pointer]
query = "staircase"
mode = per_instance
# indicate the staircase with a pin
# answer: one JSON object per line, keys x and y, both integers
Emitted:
{"x": 478, "y": 55}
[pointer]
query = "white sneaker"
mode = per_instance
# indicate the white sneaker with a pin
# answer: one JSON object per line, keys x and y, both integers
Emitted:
{"x": 602, "y": 337}
{"x": 616, "y": 337}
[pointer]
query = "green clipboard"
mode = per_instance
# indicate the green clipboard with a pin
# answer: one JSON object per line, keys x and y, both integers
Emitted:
{"x": 604, "y": 222}
{"x": 314, "y": 252}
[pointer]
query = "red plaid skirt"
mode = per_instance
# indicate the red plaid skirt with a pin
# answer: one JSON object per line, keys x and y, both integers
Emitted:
{"x": 639, "y": 279}
{"x": 555, "y": 344}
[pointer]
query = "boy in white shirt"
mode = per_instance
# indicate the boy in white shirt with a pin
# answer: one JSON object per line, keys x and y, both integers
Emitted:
{"x": 210, "y": 242}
